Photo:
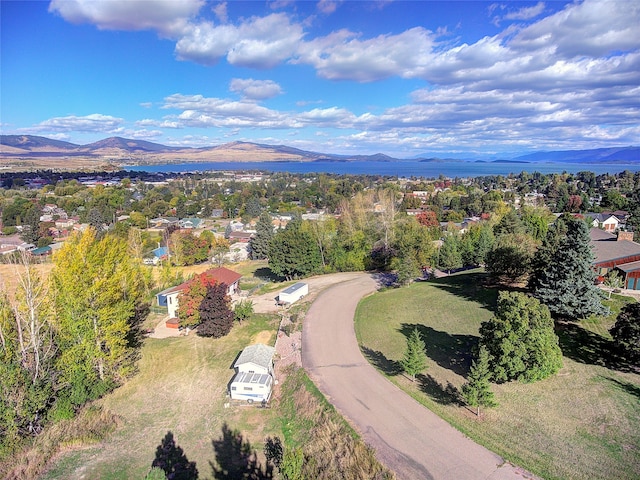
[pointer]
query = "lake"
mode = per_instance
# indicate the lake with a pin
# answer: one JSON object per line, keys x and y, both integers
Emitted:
{"x": 404, "y": 168}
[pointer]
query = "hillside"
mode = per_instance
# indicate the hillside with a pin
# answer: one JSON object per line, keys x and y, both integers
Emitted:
{"x": 45, "y": 152}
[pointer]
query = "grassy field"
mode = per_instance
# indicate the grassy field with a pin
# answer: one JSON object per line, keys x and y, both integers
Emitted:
{"x": 580, "y": 424}
{"x": 181, "y": 389}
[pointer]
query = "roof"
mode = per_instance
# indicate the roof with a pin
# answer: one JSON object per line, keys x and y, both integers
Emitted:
{"x": 629, "y": 267}
{"x": 606, "y": 246}
{"x": 161, "y": 252}
{"x": 246, "y": 377}
{"x": 294, "y": 287}
{"x": 213, "y": 275}
{"x": 259, "y": 354}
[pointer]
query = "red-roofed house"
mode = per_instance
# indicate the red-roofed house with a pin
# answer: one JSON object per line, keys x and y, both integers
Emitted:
{"x": 169, "y": 297}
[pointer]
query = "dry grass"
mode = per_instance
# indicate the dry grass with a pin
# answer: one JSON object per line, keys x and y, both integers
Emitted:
{"x": 181, "y": 387}
{"x": 581, "y": 424}
{"x": 331, "y": 448}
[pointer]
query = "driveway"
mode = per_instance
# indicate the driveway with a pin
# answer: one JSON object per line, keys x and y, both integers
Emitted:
{"x": 407, "y": 437}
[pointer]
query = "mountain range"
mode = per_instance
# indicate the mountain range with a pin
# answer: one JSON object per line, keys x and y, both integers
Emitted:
{"x": 127, "y": 151}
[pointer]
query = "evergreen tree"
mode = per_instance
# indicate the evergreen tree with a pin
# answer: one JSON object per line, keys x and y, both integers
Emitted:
{"x": 567, "y": 283}
{"x": 510, "y": 223}
{"x": 215, "y": 312}
{"x": 477, "y": 391}
{"x": 521, "y": 340}
{"x": 293, "y": 252}
{"x": 415, "y": 358}
{"x": 259, "y": 243}
{"x": 626, "y": 331}
{"x": 449, "y": 256}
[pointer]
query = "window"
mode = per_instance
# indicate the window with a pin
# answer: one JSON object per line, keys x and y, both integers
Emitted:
{"x": 250, "y": 389}
{"x": 233, "y": 388}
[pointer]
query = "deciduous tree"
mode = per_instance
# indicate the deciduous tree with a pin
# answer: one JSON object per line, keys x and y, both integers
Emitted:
{"x": 98, "y": 291}
{"x": 215, "y": 312}
{"x": 293, "y": 252}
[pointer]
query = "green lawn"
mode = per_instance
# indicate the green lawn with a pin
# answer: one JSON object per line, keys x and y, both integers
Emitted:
{"x": 583, "y": 423}
{"x": 181, "y": 388}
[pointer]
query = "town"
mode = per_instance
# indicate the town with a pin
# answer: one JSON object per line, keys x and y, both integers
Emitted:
{"x": 243, "y": 258}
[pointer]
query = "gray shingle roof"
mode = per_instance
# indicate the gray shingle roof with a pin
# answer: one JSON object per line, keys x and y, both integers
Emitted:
{"x": 607, "y": 248}
{"x": 259, "y": 354}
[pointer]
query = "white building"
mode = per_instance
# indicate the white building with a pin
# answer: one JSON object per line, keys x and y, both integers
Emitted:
{"x": 254, "y": 374}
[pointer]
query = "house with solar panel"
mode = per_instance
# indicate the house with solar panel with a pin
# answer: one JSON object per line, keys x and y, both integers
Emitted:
{"x": 254, "y": 374}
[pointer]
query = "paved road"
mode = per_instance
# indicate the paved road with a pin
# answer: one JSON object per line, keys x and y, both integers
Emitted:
{"x": 411, "y": 440}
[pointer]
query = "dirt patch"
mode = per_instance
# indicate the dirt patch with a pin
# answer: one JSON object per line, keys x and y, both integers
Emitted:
{"x": 263, "y": 337}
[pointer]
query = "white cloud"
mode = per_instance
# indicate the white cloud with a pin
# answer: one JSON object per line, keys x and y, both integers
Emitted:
{"x": 165, "y": 16}
{"x": 526, "y": 13}
{"x": 255, "y": 89}
{"x": 342, "y": 55}
{"x": 221, "y": 12}
{"x": 89, "y": 123}
{"x": 327, "y": 6}
{"x": 258, "y": 42}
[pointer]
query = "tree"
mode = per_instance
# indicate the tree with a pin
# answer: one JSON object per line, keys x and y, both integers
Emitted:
{"x": 99, "y": 293}
{"x": 626, "y": 331}
{"x": 190, "y": 299}
{"x": 428, "y": 218}
{"x": 215, "y": 312}
{"x": 243, "y": 310}
{"x": 259, "y": 243}
{"x": 567, "y": 283}
{"x": 187, "y": 249}
{"x": 415, "y": 358}
{"x": 509, "y": 260}
{"x": 449, "y": 257}
{"x": 219, "y": 247}
{"x": 477, "y": 391}
{"x": 293, "y": 252}
{"x": 521, "y": 340}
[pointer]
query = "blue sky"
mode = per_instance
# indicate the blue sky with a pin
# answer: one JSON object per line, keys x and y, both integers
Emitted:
{"x": 401, "y": 78}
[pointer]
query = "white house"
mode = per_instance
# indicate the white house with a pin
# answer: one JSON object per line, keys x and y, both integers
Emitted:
{"x": 169, "y": 297}
{"x": 254, "y": 374}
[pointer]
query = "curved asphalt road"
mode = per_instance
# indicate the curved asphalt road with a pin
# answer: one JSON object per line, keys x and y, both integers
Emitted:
{"x": 407, "y": 437}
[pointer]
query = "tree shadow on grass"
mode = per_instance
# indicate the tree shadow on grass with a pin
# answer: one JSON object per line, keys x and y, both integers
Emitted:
{"x": 470, "y": 286}
{"x": 589, "y": 348}
{"x": 381, "y": 362}
{"x": 171, "y": 458}
{"x": 453, "y": 352}
{"x": 630, "y": 388}
{"x": 236, "y": 459}
{"x": 444, "y": 395}
{"x": 266, "y": 274}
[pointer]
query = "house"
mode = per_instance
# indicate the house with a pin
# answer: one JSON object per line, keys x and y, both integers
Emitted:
{"x": 254, "y": 374}
{"x": 217, "y": 213}
{"x": 242, "y": 237}
{"x": 607, "y": 222}
{"x": 159, "y": 254}
{"x": 617, "y": 252}
{"x": 164, "y": 222}
{"x": 189, "y": 223}
{"x": 170, "y": 297}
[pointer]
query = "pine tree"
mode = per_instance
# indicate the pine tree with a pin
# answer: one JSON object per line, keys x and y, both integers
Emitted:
{"x": 521, "y": 340}
{"x": 567, "y": 283}
{"x": 477, "y": 391}
{"x": 415, "y": 358}
{"x": 259, "y": 243}
{"x": 215, "y": 313}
